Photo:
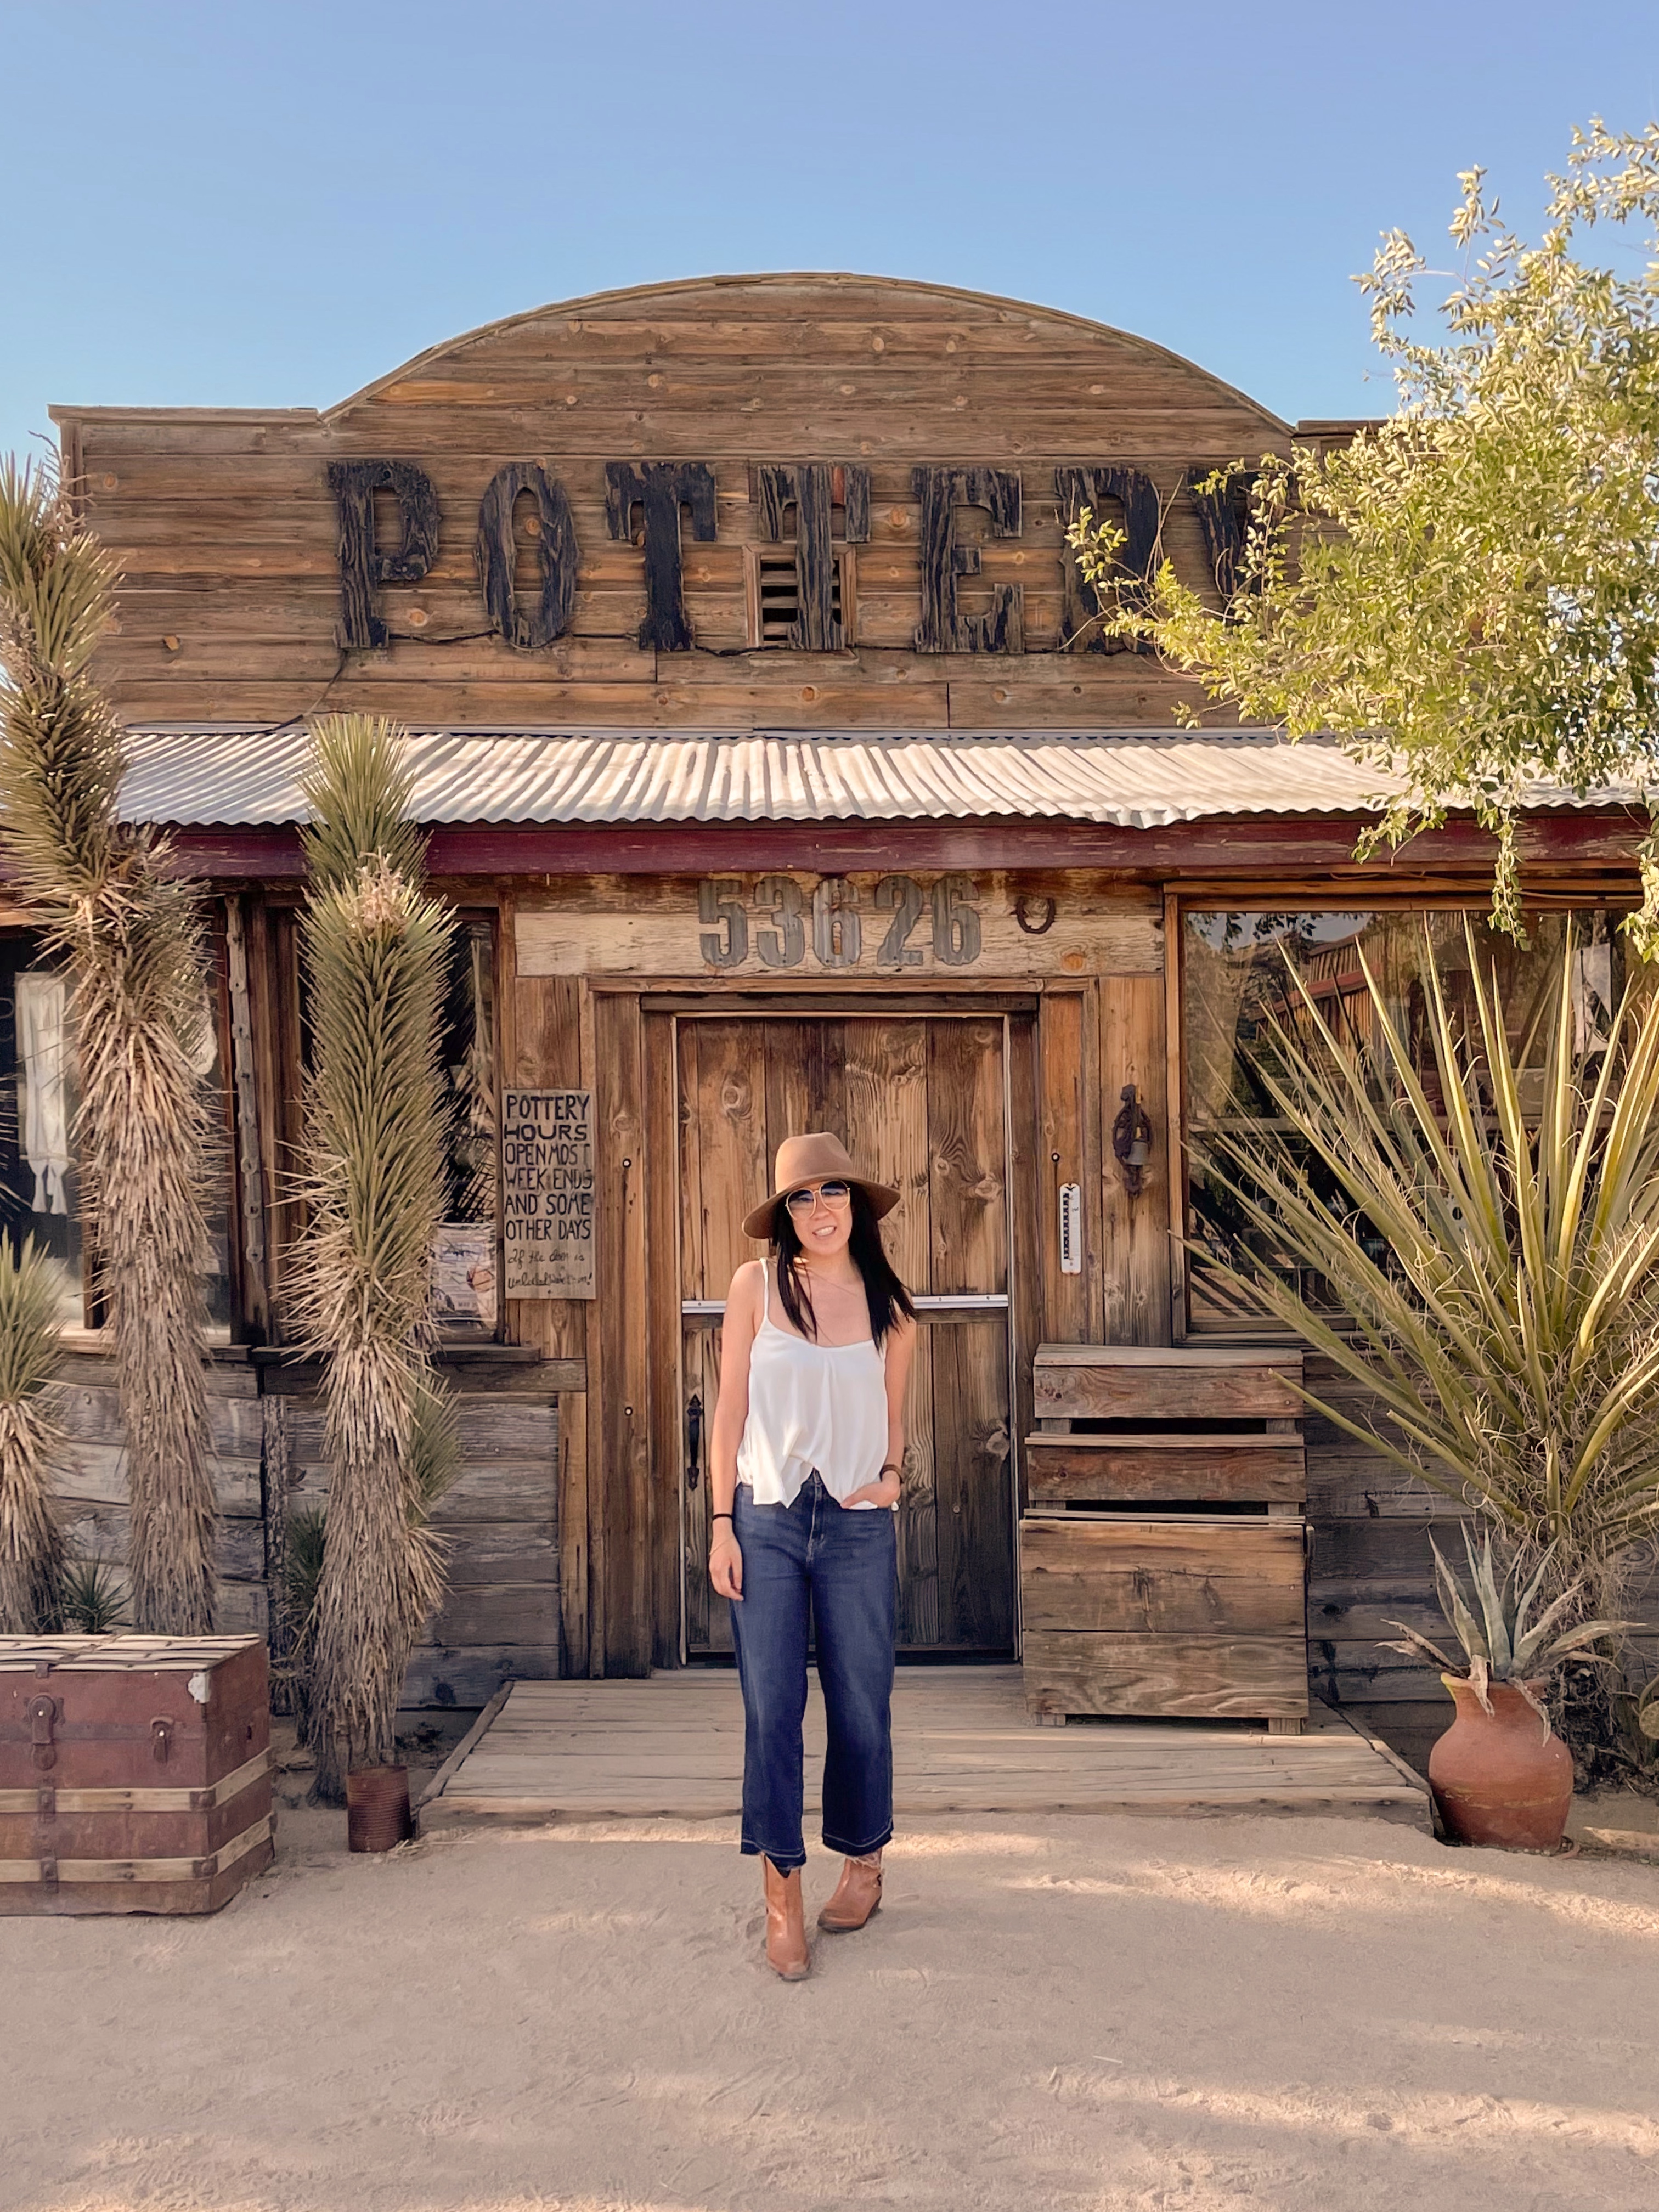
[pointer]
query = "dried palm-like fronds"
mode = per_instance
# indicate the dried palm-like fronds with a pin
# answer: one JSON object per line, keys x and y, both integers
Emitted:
{"x": 113, "y": 905}
{"x": 376, "y": 949}
{"x": 32, "y": 1549}
{"x": 1506, "y": 1313}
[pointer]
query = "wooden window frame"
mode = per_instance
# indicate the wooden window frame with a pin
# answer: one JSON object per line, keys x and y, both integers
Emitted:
{"x": 846, "y": 559}
{"x": 1222, "y": 896}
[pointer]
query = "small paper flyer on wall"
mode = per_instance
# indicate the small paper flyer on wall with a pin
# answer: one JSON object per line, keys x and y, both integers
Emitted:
{"x": 463, "y": 1275}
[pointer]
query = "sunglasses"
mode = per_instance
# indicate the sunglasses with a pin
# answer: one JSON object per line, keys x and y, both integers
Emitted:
{"x": 800, "y": 1202}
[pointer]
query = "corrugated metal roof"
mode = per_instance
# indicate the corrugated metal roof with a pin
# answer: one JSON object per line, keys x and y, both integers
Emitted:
{"x": 243, "y": 776}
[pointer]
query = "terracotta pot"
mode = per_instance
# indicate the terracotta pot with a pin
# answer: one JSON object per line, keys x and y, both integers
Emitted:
{"x": 1503, "y": 1778}
{"x": 377, "y": 1808}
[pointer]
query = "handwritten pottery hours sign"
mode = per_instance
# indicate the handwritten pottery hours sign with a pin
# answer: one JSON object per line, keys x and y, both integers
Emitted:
{"x": 547, "y": 1193}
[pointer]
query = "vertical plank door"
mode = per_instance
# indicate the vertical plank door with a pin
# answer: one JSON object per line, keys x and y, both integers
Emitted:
{"x": 920, "y": 1104}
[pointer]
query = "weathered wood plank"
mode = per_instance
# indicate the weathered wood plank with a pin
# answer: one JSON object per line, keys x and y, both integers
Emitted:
{"x": 481, "y": 1554}
{"x": 645, "y": 938}
{"x": 96, "y": 1475}
{"x": 1065, "y": 1106}
{"x": 886, "y": 1078}
{"x": 1186, "y": 1391}
{"x": 1175, "y": 1576}
{"x": 489, "y": 1613}
{"x": 974, "y": 1503}
{"x": 1249, "y": 1469}
{"x": 469, "y": 1678}
{"x": 620, "y": 1393}
{"x": 1213, "y": 1676}
{"x": 662, "y": 1323}
{"x": 100, "y": 1532}
{"x": 1135, "y": 1252}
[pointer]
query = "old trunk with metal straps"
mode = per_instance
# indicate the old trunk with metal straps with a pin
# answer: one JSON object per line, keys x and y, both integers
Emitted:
{"x": 134, "y": 1772}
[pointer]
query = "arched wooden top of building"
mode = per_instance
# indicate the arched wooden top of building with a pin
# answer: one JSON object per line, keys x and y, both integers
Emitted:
{"x": 804, "y": 335}
{"x": 772, "y": 502}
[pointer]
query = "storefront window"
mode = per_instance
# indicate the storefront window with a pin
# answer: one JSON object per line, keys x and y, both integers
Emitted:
{"x": 1241, "y": 975}
{"x": 40, "y": 1186}
{"x": 39, "y": 1195}
{"x": 465, "y": 1260}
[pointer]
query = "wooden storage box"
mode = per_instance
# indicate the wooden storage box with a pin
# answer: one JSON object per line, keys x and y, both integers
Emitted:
{"x": 1138, "y": 1595}
{"x": 134, "y": 1772}
{"x": 1138, "y": 1613}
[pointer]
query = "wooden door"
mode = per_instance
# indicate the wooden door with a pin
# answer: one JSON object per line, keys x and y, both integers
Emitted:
{"x": 920, "y": 1104}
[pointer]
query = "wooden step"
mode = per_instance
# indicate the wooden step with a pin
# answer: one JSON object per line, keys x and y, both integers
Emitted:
{"x": 1249, "y": 1469}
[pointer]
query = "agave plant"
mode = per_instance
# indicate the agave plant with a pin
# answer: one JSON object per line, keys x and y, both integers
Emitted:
{"x": 1494, "y": 1272}
{"x": 32, "y": 1548}
{"x": 375, "y": 948}
{"x": 1502, "y": 1643}
{"x": 113, "y": 905}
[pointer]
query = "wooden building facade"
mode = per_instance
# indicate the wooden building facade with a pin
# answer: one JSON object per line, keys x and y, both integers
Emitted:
{"x": 782, "y": 780}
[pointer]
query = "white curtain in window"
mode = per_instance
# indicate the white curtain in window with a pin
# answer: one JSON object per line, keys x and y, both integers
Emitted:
{"x": 42, "y": 1050}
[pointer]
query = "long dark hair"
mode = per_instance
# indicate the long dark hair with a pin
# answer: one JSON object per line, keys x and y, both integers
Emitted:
{"x": 885, "y": 1296}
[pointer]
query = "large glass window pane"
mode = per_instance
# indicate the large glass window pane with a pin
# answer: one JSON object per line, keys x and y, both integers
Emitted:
{"x": 1245, "y": 974}
{"x": 465, "y": 1272}
{"x": 39, "y": 1188}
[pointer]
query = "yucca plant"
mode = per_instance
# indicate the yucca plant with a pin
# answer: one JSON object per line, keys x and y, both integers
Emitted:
{"x": 91, "y": 1601}
{"x": 1492, "y": 1623}
{"x": 1493, "y": 1271}
{"x": 113, "y": 905}
{"x": 32, "y": 1547}
{"x": 375, "y": 949}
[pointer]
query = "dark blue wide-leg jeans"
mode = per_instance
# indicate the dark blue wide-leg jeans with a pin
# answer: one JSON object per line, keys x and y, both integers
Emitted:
{"x": 845, "y": 1566}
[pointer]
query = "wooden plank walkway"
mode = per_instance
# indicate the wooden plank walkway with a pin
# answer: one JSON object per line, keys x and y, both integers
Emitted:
{"x": 963, "y": 1743}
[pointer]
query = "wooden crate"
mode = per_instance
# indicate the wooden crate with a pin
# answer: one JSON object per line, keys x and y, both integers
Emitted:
{"x": 134, "y": 1772}
{"x": 1135, "y": 1599}
{"x": 1143, "y": 1613}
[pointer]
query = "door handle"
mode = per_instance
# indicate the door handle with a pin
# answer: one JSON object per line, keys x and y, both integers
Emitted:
{"x": 694, "y": 1442}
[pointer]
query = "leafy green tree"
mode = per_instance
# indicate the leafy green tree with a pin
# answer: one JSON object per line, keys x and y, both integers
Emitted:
{"x": 1467, "y": 595}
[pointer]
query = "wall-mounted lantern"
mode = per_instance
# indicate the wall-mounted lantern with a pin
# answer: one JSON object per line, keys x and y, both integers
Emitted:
{"x": 1132, "y": 1140}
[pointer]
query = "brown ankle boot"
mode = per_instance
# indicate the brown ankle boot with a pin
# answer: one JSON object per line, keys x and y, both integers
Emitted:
{"x": 786, "y": 1925}
{"x": 858, "y": 1896}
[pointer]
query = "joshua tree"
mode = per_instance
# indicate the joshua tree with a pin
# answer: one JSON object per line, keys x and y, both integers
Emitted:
{"x": 32, "y": 1554}
{"x": 114, "y": 906}
{"x": 376, "y": 949}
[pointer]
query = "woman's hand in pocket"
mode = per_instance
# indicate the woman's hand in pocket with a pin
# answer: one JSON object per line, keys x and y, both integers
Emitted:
{"x": 725, "y": 1563}
{"x": 884, "y": 1492}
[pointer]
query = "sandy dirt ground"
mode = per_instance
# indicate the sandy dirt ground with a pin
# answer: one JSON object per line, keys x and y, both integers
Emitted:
{"x": 1060, "y": 2012}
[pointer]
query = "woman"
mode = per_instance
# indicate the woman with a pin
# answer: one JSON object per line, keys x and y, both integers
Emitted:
{"x": 807, "y": 1443}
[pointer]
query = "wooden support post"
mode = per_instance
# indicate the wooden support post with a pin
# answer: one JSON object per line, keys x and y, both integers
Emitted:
{"x": 662, "y": 1328}
{"x": 1136, "y": 1239}
{"x": 1175, "y": 1112}
{"x": 619, "y": 1418}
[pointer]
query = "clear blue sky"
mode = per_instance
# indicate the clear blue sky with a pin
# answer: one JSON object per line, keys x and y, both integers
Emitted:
{"x": 229, "y": 205}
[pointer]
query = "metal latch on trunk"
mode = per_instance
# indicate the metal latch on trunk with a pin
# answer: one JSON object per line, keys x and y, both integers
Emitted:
{"x": 160, "y": 1733}
{"x": 43, "y": 1719}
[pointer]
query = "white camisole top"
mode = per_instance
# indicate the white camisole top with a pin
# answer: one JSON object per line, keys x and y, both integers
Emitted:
{"x": 821, "y": 1406}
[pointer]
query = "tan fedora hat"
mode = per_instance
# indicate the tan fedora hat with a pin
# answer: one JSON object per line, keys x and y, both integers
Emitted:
{"x": 818, "y": 1157}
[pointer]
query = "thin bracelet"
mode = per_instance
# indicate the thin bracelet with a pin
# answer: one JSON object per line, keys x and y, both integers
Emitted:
{"x": 724, "y": 1517}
